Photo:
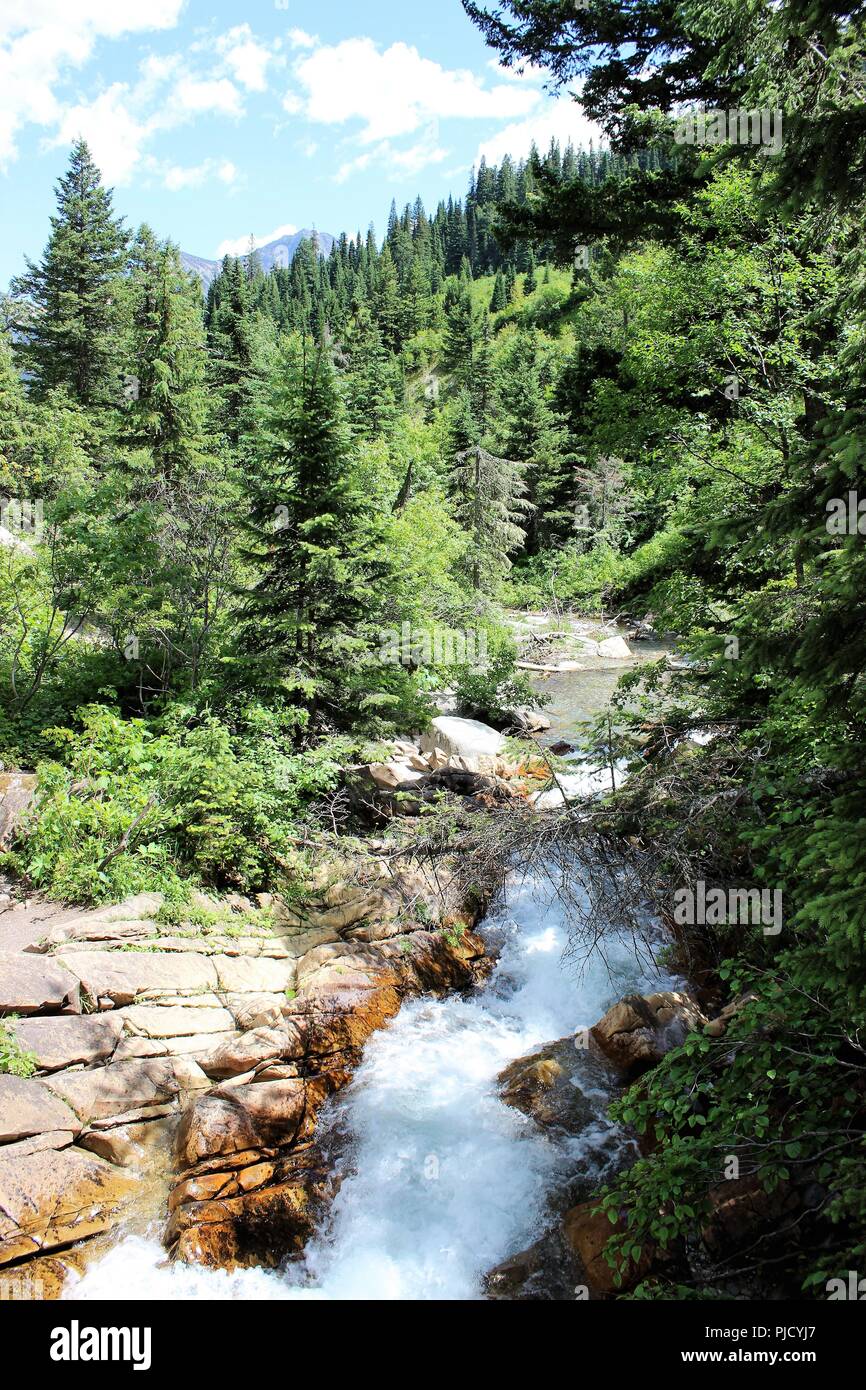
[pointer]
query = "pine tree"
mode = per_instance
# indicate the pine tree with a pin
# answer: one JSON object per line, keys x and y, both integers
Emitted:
{"x": 500, "y": 298}
{"x": 13, "y": 430}
{"x": 488, "y": 498}
{"x": 168, "y": 401}
{"x": 460, "y": 335}
{"x": 311, "y": 539}
{"x": 73, "y": 335}
{"x": 230, "y": 339}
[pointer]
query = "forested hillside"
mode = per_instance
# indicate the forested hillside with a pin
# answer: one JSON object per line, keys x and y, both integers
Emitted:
{"x": 626, "y": 382}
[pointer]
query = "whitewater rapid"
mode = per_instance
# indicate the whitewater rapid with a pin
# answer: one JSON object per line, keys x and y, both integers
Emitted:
{"x": 442, "y": 1181}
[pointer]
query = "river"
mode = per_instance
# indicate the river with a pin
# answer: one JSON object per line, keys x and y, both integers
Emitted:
{"x": 440, "y": 1179}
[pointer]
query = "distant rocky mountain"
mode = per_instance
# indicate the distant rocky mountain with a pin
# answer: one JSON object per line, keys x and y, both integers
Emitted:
{"x": 277, "y": 253}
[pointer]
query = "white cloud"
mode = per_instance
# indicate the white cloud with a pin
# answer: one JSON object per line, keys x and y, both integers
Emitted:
{"x": 562, "y": 120}
{"x": 241, "y": 245}
{"x": 114, "y": 135}
{"x": 119, "y": 123}
{"x": 299, "y": 38}
{"x": 528, "y": 73}
{"x": 198, "y": 95}
{"x": 178, "y": 177}
{"x": 41, "y": 40}
{"x": 397, "y": 92}
{"x": 399, "y": 163}
{"x": 246, "y": 58}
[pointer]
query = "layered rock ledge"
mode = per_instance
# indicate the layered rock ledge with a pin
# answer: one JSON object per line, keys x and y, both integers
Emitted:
{"x": 202, "y": 1046}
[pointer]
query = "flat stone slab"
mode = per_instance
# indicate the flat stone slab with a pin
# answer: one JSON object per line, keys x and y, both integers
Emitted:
{"x": 27, "y": 1107}
{"x": 53, "y": 1139}
{"x": 87, "y": 930}
{"x": 123, "y": 976}
{"x": 57, "y": 1197}
{"x": 124, "y": 1086}
{"x": 32, "y": 984}
{"x": 67, "y": 1042}
{"x": 151, "y": 1021}
{"x": 240, "y": 975}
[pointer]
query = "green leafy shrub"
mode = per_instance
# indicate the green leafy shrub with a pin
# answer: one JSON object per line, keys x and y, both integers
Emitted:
{"x": 129, "y": 809}
{"x": 14, "y": 1059}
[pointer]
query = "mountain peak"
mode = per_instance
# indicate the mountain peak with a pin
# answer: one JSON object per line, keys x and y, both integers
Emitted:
{"x": 278, "y": 253}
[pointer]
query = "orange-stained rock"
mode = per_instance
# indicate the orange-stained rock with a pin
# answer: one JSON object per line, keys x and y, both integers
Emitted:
{"x": 55, "y": 1198}
{"x": 250, "y": 1187}
{"x": 587, "y": 1233}
{"x": 261, "y": 1227}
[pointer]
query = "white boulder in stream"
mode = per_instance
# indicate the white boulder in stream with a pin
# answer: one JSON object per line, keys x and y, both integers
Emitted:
{"x": 462, "y": 738}
{"x": 615, "y": 649}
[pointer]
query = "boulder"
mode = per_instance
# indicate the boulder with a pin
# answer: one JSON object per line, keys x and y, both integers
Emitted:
{"x": 528, "y": 721}
{"x": 559, "y": 1087}
{"x": 392, "y": 776}
{"x": 462, "y": 738}
{"x": 257, "y": 1228}
{"x": 79, "y": 1039}
{"x": 251, "y": 1011}
{"x": 57, "y": 1197}
{"x": 636, "y": 1033}
{"x": 43, "y": 1279}
{"x": 51, "y": 1139}
{"x": 133, "y": 1145}
{"x": 34, "y": 984}
{"x": 27, "y": 1107}
{"x": 251, "y": 1050}
{"x": 230, "y": 1121}
{"x": 615, "y": 649}
{"x": 17, "y": 790}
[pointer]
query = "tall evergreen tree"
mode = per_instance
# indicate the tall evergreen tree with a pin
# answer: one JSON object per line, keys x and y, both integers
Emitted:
{"x": 73, "y": 335}
{"x": 168, "y": 405}
{"x": 311, "y": 540}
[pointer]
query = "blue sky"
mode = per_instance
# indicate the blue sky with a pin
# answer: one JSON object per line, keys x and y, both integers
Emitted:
{"x": 214, "y": 119}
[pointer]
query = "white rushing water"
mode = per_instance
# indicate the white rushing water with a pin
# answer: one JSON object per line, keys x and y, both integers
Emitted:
{"x": 443, "y": 1180}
